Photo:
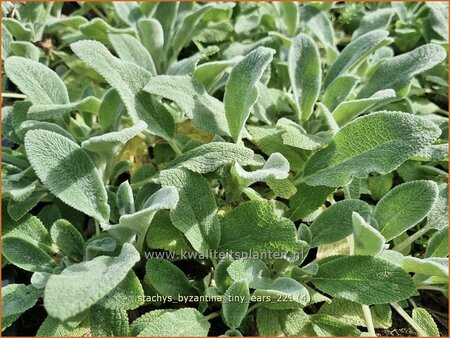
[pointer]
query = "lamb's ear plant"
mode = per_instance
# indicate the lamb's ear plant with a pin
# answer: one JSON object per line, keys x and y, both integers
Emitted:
{"x": 250, "y": 168}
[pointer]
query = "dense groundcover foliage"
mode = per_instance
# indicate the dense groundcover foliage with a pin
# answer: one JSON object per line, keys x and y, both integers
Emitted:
{"x": 224, "y": 169}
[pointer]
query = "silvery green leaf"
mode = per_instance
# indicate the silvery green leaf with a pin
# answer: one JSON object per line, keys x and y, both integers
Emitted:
{"x": 138, "y": 222}
{"x": 76, "y": 327}
{"x": 396, "y": 73}
{"x": 25, "y": 49}
{"x": 296, "y": 136}
{"x": 366, "y": 239}
{"x": 7, "y": 39}
{"x": 195, "y": 213}
{"x": 371, "y": 21}
{"x": 206, "y": 111}
{"x": 82, "y": 285}
{"x": 298, "y": 323}
{"x": 211, "y": 156}
{"x": 358, "y": 278}
{"x": 128, "y": 79}
{"x": 305, "y": 73}
{"x": 110, "y": 143}
{"x": 41, "y": 85}
{"x": 209, "y": 73}
{"x": 439, "y": 18}
{"x": 188, "y": 65}
{"x": 131, "y": 50}
{"x": 68, "y": 172}
{"x": 110, "y": 111}
{"x": 39, "y": 279}
{"x": 181, "y": 322}
{"x": 32, "y": 125}
{"x": 128, "y": 295}
{"x": 98, "y": 29}
{"x": 355, "y": 52}
{"x": 276, "y": 167}
{"x": 425, "y": 321}
{"x": 152, "y": 37}
{"x": 396, "y": 212}
{"x": 128, "y": 12}
{"x": 389, "y": 138}
{"x": 434, "y": 152}
{"x": 438, "y": 244}
{"x": 339, "y": 90}
{"x": 55, "y": 111}
{"x": 253, "y": 271}
{"x": 289, "y": 15}
{"x": 186, "y": 29}
{"x": 17, "y": 29}
{"x": 428, "y": 266}
{"x": 275, "y": 234}
{"x": 125, "y": 199}
{"x": 26, "y": 255}
{"x": 67, "y": 238}
{"x": 17, "y": 209}
{"x": 284, "y": 293}
{"x": 438, "y": 216}
{"x": 107, "y": 322}
{"x": 348, "y": 110}
{"x": 235, "y": 304}
{"x": 352, "y": 313}
{"x": 320, "y": 25}
{"x": 241, "y": 92}
{"x": 163, "y": 235}
{"x": 335, "y": 223}
{"x": 16, "y": 299}
{"x": 167, "y": 278}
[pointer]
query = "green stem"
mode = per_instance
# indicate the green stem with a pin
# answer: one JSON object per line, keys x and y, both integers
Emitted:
{"x": 14, "y": 95}
{"x": 253, "y": 307}
{"x": 402, "y": 245}
{"x": 175, "y": 147}
{"x": 369, "y": 321}
{"x": 408, "y": 319}
{"x": 212, "y": 315}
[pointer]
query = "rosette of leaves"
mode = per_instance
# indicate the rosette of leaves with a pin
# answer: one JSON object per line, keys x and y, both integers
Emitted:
{"x": 282, "y": 166}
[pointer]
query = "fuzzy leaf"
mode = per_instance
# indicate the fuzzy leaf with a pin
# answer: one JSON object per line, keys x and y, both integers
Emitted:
{"x": 396, "y": 212}
{"x": 253, "y": 271}
{"x": 110, "y": 143}
{"x": 284, "y": 293}
{"x": 195, "y": 213}
{"x": 366, "y": 239}
{"x": 306, "y": 200}
{"x": 127, "y": 295}
{"x": 426, "y": 322}
{"x": 167, "y": 278}
{"x": 131, "y": 50}
{"x": 182, "y": 322}
{"x": 335, "y": 223}
{"x": 210, "y": 157}
{"x": 358, "y": 278}
{"x": 378, "y": 142}
{"x": 38, "y": 82}
{"x": 275, "y": 234}
{"x": 348, "y": 110}
{"x": 305, "y": 73}
{"x": 68, "y": 172}
{"x": 438, "y": 244}
{"x": 355, "y": 52}
{"x": 16, "y": 299}
{"x": 276, "y": 167}
{"x": 396, "y": 73}
{"x": 67, "y": 238}
{"x": 82, "y": 285}
{"x": 241, "y": 92}
{"x": 235, "y": 304}
{"x": 107, "y": 322}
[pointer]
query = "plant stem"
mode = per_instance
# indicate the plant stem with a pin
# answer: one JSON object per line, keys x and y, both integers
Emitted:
{"x": 369, "y": 321}
{"x": 399, "y": 247}
{"x": 251, "y": 308}
{"x": 408, "y": 319}
{"x": 175, "y": 147}
{"x": 14, "y": 95}
{"x": 212, "y": 315}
